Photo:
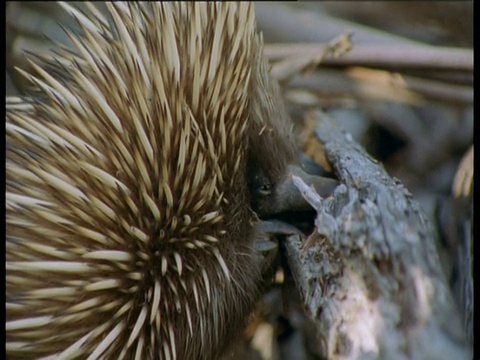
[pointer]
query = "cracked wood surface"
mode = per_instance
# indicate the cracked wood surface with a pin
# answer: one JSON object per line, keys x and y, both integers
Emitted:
{"x": 370, "y": 277}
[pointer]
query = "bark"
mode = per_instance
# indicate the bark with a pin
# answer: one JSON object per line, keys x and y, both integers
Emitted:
{"x": 370, "y": 276}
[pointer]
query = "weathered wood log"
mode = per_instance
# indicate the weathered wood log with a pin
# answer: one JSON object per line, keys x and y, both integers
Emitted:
{"x": 370, "y": 276}
{"x": 382, "y": 56}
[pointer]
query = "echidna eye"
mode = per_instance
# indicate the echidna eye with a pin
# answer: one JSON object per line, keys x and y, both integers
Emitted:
{"x": 265, "y": 189}
{"x": 259, "y": 184}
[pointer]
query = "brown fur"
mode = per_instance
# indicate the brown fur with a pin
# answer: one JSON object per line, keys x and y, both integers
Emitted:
{"x": 271, "y": 147}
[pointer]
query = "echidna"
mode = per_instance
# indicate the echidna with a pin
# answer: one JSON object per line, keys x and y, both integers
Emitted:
{"x": 129, "y": 227}
{"x": 272, "y": 156}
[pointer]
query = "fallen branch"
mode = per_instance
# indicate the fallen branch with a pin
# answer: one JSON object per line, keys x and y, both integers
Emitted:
{"x": 378, "y": 55}
{"x": 283, "y": 22}
{"x": 370, "y": 84}
{"x": 370, "y": 278}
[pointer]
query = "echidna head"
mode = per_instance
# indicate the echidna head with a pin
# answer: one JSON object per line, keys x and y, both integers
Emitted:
{"x": 272, "y": 156}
